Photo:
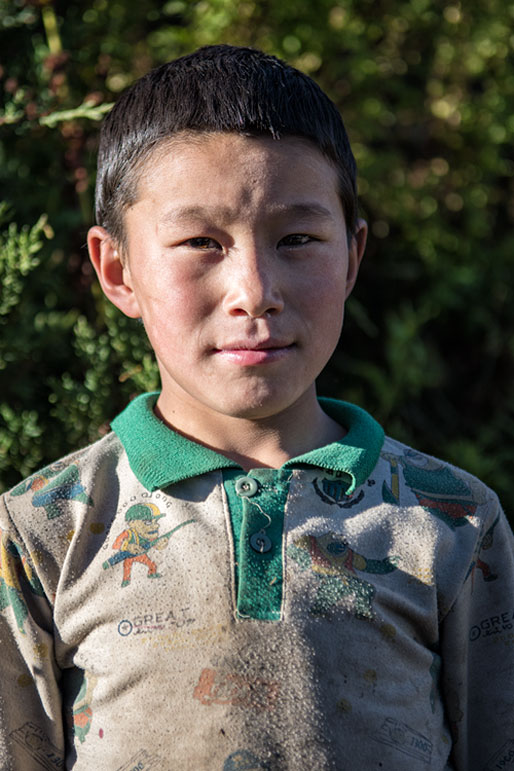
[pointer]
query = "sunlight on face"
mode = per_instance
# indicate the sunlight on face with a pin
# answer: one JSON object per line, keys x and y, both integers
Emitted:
{"x": 239, "y": 260}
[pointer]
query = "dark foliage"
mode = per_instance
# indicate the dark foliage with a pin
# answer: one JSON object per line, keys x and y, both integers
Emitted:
{"x": 426, "y": 91}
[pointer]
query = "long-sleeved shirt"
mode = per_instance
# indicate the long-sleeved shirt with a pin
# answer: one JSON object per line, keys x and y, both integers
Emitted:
{"x": 161, "y": 608}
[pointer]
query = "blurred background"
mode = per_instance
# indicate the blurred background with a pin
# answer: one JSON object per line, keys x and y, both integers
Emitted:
{"x": 426, "y": 91}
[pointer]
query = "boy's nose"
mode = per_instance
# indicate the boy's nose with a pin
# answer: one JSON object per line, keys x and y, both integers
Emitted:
{"x": 252, "y": 287}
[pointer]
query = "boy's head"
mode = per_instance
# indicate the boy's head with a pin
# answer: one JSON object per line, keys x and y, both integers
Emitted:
{"x": 227, "y": 222}
{"x": 215, "y": 89}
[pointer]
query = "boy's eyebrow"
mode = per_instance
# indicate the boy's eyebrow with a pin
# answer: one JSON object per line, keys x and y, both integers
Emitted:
{"x": 308, "y": 209}
{"x": 193, "y": 213}
{"x": 224, "y": 214}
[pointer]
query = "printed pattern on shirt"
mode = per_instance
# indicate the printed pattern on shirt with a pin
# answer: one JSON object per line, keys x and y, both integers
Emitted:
{"x": 333, "y": 490}
{"x": 484, "y": 544}
{"x": 330, "y": 558}
{"x": 140, "y": 536}
{"x": 37, "y": 745}
{"x": 82, "y": 711}
{"x": 437, "y": 488}
{"x": 53, "y": 487}
{"x": 13, "y": 567}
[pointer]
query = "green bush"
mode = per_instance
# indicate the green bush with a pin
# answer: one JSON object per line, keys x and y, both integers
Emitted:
{"x": 426, "y": 92}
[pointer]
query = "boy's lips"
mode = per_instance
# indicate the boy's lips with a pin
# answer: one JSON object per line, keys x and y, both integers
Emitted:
{"x": 254, "y": 352}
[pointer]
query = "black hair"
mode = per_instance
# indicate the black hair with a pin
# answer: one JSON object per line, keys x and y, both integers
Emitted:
{"x": 218, "y": 88}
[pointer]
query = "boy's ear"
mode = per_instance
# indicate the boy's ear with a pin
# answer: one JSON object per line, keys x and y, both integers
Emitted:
{"x": 113, "y": 275}
{"x": 355, "y": 254}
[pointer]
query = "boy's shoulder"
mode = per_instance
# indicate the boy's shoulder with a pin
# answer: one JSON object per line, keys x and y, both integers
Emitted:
{"x": 450, "y": 493}
{"x": 69, "y": 479}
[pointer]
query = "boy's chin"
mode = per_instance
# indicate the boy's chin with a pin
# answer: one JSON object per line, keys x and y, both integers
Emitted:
{"x": 264, "y": 406}
{"x": 255, "y": 412}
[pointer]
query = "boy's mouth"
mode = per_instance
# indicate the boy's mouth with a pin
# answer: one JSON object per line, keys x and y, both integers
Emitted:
{"x": 248, "y": 352}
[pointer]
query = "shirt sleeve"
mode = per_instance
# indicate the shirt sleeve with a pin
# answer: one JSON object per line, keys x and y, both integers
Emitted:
{"x": 477, "y": 648}
{"x": 31, "y": 726}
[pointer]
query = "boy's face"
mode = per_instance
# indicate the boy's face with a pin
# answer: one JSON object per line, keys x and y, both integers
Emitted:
{"x": 238, "y": 262}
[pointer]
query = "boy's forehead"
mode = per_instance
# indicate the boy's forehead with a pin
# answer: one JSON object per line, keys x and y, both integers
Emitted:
{"x": 176, "y": 158}
{"x": 174, "y": 214}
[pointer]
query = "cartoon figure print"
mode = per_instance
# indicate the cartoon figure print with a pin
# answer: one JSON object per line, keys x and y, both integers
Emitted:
{"x": 334, "y": 563}
{"x": 485, "y": 543}
{"x": 82, "y": 712}
{"x": 49, "y": 492}
{"x": 437, "y": 488}
{"x": 13, "y": 567}
{"x": 139, "y": 537}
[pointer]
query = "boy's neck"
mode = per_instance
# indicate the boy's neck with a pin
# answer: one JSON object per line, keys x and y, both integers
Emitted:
{"x": 257, "y": 443}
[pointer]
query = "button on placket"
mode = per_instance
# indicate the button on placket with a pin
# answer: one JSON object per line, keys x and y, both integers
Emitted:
{"x": 260, "y": 542}
{"x": 246, "y": 487}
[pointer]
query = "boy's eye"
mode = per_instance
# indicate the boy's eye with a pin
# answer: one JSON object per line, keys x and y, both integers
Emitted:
{"x": 203, "y": 243}
{"x": 296, "y": 239}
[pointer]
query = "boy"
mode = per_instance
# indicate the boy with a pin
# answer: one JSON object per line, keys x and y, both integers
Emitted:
{"x": 240, "y": 575}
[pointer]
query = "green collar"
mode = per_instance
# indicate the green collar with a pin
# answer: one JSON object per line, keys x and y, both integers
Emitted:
{"x": 159, "y": 456}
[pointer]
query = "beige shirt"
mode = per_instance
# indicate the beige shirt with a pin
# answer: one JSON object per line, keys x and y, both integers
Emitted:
{"x": 163, "y": 609}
